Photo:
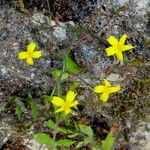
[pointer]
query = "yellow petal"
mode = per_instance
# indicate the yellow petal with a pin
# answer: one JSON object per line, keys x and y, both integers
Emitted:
{"x": 107, "y": 83}
{"x": 36, "y": 54}
{"x": 112, "y": 40}
{"x": 29, "y": 61}
{"x": 111, "y": 50}
{"x": 57, "y": 101}
{"x": 119, "y": 56}
{"x": 70, "y": 96}
{"x": 59, "y": 110}
{"x": 67, "y": 111}
{"x": 99, "y": 88}
{"x": 127, "y": 47}
{"x": 74, "y": 103}
{"x": 114, "y": 89}
{"x": 22, "y": 55}
{"x": 104, "y": 97}
{"x": 31, "y": 47}
{"x": 123, "y": 39}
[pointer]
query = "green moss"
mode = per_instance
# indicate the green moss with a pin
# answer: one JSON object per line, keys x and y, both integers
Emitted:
{"x": 134, "y": 102}
{"x": 136, "y": 62}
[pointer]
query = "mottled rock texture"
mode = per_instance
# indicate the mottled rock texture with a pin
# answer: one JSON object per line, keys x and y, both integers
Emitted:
{"x": 125, "y": 108}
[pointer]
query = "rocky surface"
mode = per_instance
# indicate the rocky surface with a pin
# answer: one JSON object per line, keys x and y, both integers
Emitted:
{"x": 17, "y": 31}
{"x": 140, "y": 139}
{"x": 127, "y": 107}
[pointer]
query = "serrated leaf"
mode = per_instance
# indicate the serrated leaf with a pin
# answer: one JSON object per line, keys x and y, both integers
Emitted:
{"x": 44, "y": 139}
{"x": 65, "y": 143}
{"x": 71, "y": 66}
{"x": 56, "y": 74}
{"x": 107, "y": 144}
{"x": 19, "y": 107}
{"x": 87, "y": 130}
{"x": 34, "y": 108}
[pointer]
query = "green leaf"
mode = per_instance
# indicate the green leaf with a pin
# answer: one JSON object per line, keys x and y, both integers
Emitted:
{"x": 34, "y": 108}
{"x": 71, "y": 66}
{"x": 46, "y": 98}
{"x": 75, "y": 85}
{"x": 73, "y": 135}
{"x": 95, "y": 148}
{"x": 19, "y": 107}
{"x": 50, "y": 124}
{"x": 47, "y": 101}
{"x": 65, "y": 143}
{"x": 107, "y": 144}
{"x": 82, "y": 143}
{"x": 44, "y": 139}
{"x": 63, "y": 130}
{"x": 121, "y": 9}
{"x": 87, "y": 130}
{"x": 18, "y": 111}
{"x": 57, "y": 73}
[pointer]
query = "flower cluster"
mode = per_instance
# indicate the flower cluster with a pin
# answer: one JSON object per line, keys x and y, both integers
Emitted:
{"x": 65, "y": 105}
{"x": 116, "y": 48}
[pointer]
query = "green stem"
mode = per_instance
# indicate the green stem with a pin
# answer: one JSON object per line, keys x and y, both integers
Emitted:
{"x": 49, "y": 9}
{"x": 69, "y": 47}
{"x": 59, "y": 94}
{"x": 58, "y": 86}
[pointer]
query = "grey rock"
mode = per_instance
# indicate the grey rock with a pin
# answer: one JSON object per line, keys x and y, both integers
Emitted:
{"x": 140, "y": 139}
{"x": 113, "y": 77}
{"x": 17, "y": 31}
{"x": 39, "y": 19}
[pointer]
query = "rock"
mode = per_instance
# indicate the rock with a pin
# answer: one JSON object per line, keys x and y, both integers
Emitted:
{"x": 140, "y": 139}
{"x": 126, "y": 107}
{"x": 34, "y": 145}
{"x": 39, "y": 19}
{"x": 17, "y": 32}
{"x": 113, "y": 77}
{"x": 60, "y": 32}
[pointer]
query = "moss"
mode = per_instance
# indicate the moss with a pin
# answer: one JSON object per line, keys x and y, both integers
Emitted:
{"x": 134, "y": 102}
{"x": 137, "y": 62}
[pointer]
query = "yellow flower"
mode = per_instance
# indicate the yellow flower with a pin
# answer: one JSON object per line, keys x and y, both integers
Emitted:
{"x": 65, "y": 105}
{"x": 106, "y": 89}
{"x": 30, "y": 54}
{"x": 117, "y": 47}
